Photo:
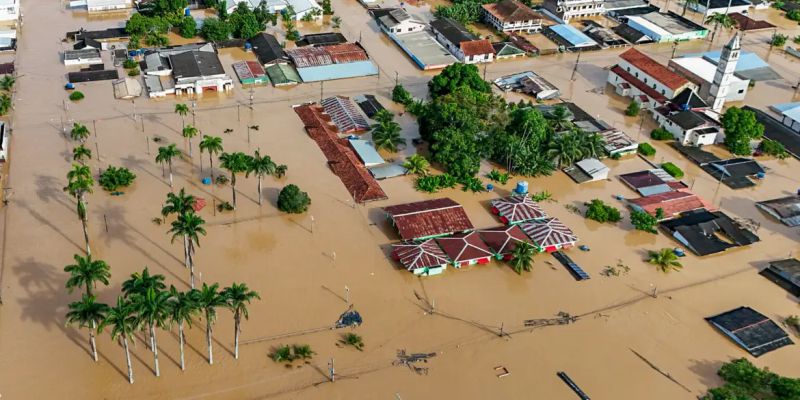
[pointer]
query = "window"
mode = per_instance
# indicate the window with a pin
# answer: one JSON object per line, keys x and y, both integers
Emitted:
{"x": 645, "y": 79}
{"x": 636, "y": 74}
{"x": 662, "y": 90}
{"x": 741, "y": 91}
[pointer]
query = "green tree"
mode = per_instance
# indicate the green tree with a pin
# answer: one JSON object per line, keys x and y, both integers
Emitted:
{"x": 7, "y": 83}
{"x": 718, "y": 20}
{"x": 183, "y": 308}
{"x": 235, "y": 163}
{"x": 189, "y": 226}
{"x": 465, "y": 12}
{"x": 153, "y": 309}
{"x": 243, "y": 22}
{"x": 643, "y": 221}
{"x": 261, "y": 166}
{"x": 74, "y": 96}
{"x": 601, "y": 212}
{"x": 633, "y": 109}
{"x": 401, "y": 95}
{"x": 745, "y": 381}
{"x": 188, "y": 27}
{"x": 156, "y": 39}
{"x": 209, "y": 298}
{"x": 189, "y": 132}
{"x": 114, "y": 178}
{"x": 457, "y": 75}
{"x": 416, "y": 164}
{"x": 86, "y": 273}
{"x": 336, "y": 21}
{"x": 140, "y": 282}
{"x": 665, "y": 259}
{"x": 326, "y": 7}
{"x": 457, "y": 151}
{"x": 213, "y": 146}
{"x": 88, "y": 313}
{"x": 352, "y": 339}
{"x": 5, "y": 102}
{"x": 79, "y": 132}
{"x": 386, "y": 132}
{"x": 566, "y": 149}
{"x": 182, "y": 110}
{"x": 79, "y": 183}
{"x": 293, "y": 200}
{"x": 181, "y": 203}
{"x": 81, "y": 154}
{"x": 778, "y": 40}
{"x": 237, "y": 297}
{"x": 165, "y": 156}
{"x": 215, "y": 29}
{"x": 741, "y": 127}
{"x": 123, "y": 323}
{"x": 522, "y": 257}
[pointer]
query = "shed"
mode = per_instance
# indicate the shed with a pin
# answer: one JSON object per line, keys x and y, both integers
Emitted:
{"x": 505, "y": 50}
{"x": 549, "y": 234}
{"x": 267, "y": 49}
{"x": 366, "y": 152}
{"x": 250, "y": 73}
{"x": 700, "y": 231}
{"x": 90, "y": 76}
{"x": 751, "y": 330}
{"x": 517, "y": 208}
{"x": 650, "y": 182}
{"x": 587, "y": 170}
{"x": 671, "y": 203}
{"x": 785, "y": 273}
{"x": 503, "y": 240}
{"x": 422, "y": 258}
{"x": 321, "y": 39}
{"x": 785, "y": 209}
{"x": 428, "y": 218}
{"x": 345, "y": 115}
{"x": 465, "y": 249}
{"x": 387, "y": 171}
{"x": 282, "y": 75}
{"x": 570, "y": 37}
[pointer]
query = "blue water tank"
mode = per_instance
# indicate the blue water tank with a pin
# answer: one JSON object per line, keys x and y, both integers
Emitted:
{"x": 248, "y": 46}
{"x": 186, "y": 12}
{"x": 69, "y": 86}
{"x": 761, "y": 175}
{"x": 522, "y": 187}
{"x": 489, "y": 187}
{"x": 206, "y": 181}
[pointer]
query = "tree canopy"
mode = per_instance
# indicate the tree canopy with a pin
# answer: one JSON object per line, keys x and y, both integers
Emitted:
{"x": 745, "y": 381}
{"x": 456, "y": 76}
{"x": 215, "y": 29}
{"x": 293, "y": 200}
{"x": 740, "y": 127}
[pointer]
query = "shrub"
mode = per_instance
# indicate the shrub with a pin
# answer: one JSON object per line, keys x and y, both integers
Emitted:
{"x": 633, "y": 109}
{"x": 292, "y": 200}
{"x": 793, "y": 15}
{"x": 672, "y": 169}
{"x": 472, "y": 184}
{"x": 130, "y": 63}
{"x": 745, "y": 381}
{"x": 773, "y": 148}
{"x": 541, "y": 196}
{"x": 643, "y": 221}
{"x": 288, "y": 354}
{"x": 187, "y": 27}
{"x": 796, "y": 39}
{"x": 133, "y": 72}
{"x": 224, "y": 206}
{"x": 497, "y": 176}
{"x": 601, "y": 212}
{"x": 778, "y": 40}
{"x": 432, "y": 183}
{"x": 351, "y": 339}
{"x": 661, "y": 134}
{"x": 646, "y": 149}
{"x": 114, "y": 178}
{"x": 76, "y": 96}
{"x": 401, "y": 95}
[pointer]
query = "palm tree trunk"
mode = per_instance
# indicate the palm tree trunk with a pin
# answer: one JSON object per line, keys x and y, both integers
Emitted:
{"x": 208, "y": 340}
{"x": 85, "y": 226}
{"x": 128, "y": 358}
{"x": 259, "y": 190}
{"x": 211, "y": 165}
{"x": 155, "y": 348}
{"x": 201, "y": 161}
{"x": 190, "y": 147}
{"x": 186, "y": 251}
{"x": 236, "y": 322}
{"x": 170, "y": 173}
{"x": 180, "y": 336}
{"x": 162, "y": 170}
{"x": 233, "y": 188}
{"x": 92, "y": 342}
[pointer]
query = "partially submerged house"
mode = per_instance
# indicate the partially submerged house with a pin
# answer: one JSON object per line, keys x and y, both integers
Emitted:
{"x": 250, "y": 73}
{"x": 711, "y": 7}
{"x": 605, "y": 37}
{"x": 702, "y": 231}
{"x": 784, "y": 209}
{"x": 268, "y": 50}
{"x": 190, "y": 69}
{"x": 507, "y": 50}
{"x": 665, "y": 27}
{"x": 637, "y": 75}
{"x": 789, "y": 115}
{"x": 549, "y": 234}
{"x": 587, "y": 170}
{"x": 751, "y": 330}
{"x": 650, "y": 182}
{"x": 321, "y": 39}
{"x": 88, "y": 56}
{"x": 568, "y": 9}
{"x": 512, "y": 16}
{"x": 428, "y": 218}
{"x": 423, "y": 258}
{"x": 504, "y": 239}
{"x": 465, "y": 249}
{"x": 689, "y": 127}
{"x": 396, "y": 21}
{"x": 784, "y": 273}
{"x": 529, "y": 83}
{"x": 98, "y": 6}
{"x": 517, "y": 208}
{"x": 366, "y": 152}
{"x": 467, "y": 47}
{"x": 282, "y": 75}
{"x": 775, "y": 130}
{"x": 670, "y": 203}
{"x": 345, "y": 114}
{"x": 617, "y": 143}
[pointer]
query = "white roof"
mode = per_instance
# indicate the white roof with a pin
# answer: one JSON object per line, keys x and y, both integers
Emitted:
{"x": 793, "y": 114}
{"x": 303, "y": 5}
{"x": 649, "y": 25}
{"x": 101, "y": 3}
{"x": 592, "y": 166}
{"x": 701, "y": 67}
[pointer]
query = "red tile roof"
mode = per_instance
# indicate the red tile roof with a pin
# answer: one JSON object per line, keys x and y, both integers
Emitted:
{"x": 638, "y": 84}
{"x": 522, "y": 43}
{"x": 504, "y": 239}
{"x": 428, "y": 218}
{"x": 341, "y": 159}
{"x": 654, "y": 69}
{"x": 416, "y": 255}
{"x": 511, "y": 11}
{"x": 464, "y": 247}
{"x": 346, "y": 53}
{"x": 477, "y": 47}
{"x": 672, "y": 203}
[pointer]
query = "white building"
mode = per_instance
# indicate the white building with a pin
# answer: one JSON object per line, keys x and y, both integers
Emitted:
{"x": 94, "y": 6}
{"x": 645, "y": 80}
{"x": 568, "y": 9}
{"x": 86, "y": 56}
{"x": 701, "y": 71}
{"x": 723, "y": 77}
{"x": 9, "y": 10}
{"x": 790, "y": 115}
{"x": 301, "y": 7}
{"x": 689, "y": 127}
{"x": 396, "y": 21}
{"x": 190, "y": 69}
{"x": 512, "y": 16}
{"x": 467, "y": 48}
{"x": 3, "y": 142}
{"x": 711, "y": 7}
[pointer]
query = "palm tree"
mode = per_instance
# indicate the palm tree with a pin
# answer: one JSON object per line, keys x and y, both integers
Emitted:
{"x": 140, "y": 283}
{"x": 7, "y": 83}
{"x": 123, "y": 322}
{"x": 87, "y": 272}
{"x": 182, "y": 110}
{"x": 238, "y": 296}
{"x": 719, "y": 19}
{"x": 79, "y": 132}
{"x": 565, "y": 149}
{"x": 183, "y": 308}
{"x": 417, "y": 164}
{"x": 559, "y": 118}
{"x": 208, "y": 299}
{"x": 5, "y": 103}
{"x": 686, "y": 4}
{"x": 188, "y": 225}
{"x": 189, "y": 132}
{"x": 81, "y": 154}
{"x": 212, "y": 145}
{"x": 522, "y": 257}
{"x": 592, "y": 144}
{"x": 80, "y": 182}
{"x": 165, "y": 156}
{"x": 87, "y": 313}
{"x": 386, "y": 133}
{"x": 153, "y": 309}
{"x": 665, "y": 259}
{"x": 235, "y": 163}
{"x": 180, "y": 203}
{"x": 261, "y": 166}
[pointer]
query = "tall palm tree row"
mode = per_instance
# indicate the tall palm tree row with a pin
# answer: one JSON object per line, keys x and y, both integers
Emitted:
{"x": 235, "y": 163}
{"x": 237, "y": 297}
{"x": 88, "y": 313}
{"x": 81, "y": 154}
{"x": 79, "y": 183}
{"x": 261, "y": 166}
{"x": 183, "y": 307}
{"x": 182, "y": 109}
{"x": 213, "y": 146}
{"x": 569, "y": 147}
{"x": 86, "y": 273}
{"x": 123, "y": 323}
{"x": 152, "y": 309}
{"x": 190, "y": 226}
{"x": 718, "y": 20}
{"x": 165, "y": 156}
{"x": 189, "y": 132}
{"x": 209, "y": 298}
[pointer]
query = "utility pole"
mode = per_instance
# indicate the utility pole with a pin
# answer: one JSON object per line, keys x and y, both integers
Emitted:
{"x": 238, "y": 114}
{"x": 332, "y": 370}
{"x": 396, "y": 79}
{"x": 575, "y": 68}
{"x": 674, "y": 48}
{"x": 194, "y": 104}
{"x": 251, "y": 98}
{"x": 94, "y": 126}
{"x": 321, "y": 90}
{"x": 346, "y": 294}
{"x": 484, "y": 70}
{"x": 796, "y": 88}
{"x": 147, "y": 139}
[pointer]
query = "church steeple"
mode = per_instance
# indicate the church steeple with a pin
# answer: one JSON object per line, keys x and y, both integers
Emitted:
{"x": 725, "y": 69}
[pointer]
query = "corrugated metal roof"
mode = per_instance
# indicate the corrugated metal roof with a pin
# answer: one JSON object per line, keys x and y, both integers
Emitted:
{"x": 366, "y": 152}
{"x": 345, "y": 114}
{"x": 337, "y": 71}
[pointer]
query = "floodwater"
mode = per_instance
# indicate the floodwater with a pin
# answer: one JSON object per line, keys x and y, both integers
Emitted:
{"x": 301, "y": 264}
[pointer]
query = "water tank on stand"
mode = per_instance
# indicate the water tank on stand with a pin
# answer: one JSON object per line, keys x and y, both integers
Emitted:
{"x": 522, "y": 187}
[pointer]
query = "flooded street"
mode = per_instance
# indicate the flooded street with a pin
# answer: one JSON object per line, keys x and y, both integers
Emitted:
{"x": 301, "y": 264}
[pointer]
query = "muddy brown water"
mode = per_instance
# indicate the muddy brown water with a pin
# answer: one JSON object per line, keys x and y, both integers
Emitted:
{"x": 302, "y": 282}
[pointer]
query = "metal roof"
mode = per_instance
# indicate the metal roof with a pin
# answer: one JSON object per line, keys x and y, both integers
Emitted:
{"x": 338, "y": 71}
{"x": 751, "y": 330}
{"x": 429, "y": 218}
{"x": 366, "y": 152}
{"x": 572, "y": 35}
{"x": 345, "y": 114}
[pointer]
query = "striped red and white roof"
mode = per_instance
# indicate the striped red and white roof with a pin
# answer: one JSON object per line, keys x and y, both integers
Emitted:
{"x": 463, "y": 247}
{"x": 502, "y": 240}
{"x": 518, "y": 208}
{"x": 549, "y": 232}
{"x": 416, "y": 255}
